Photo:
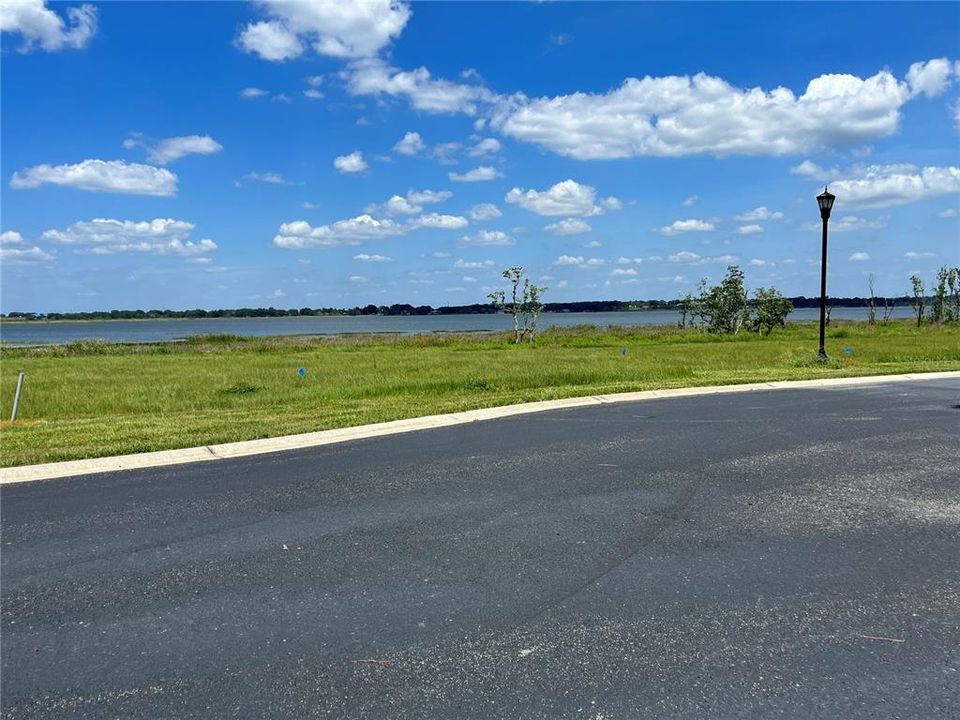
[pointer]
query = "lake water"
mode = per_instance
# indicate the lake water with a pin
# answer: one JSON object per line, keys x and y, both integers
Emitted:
{"x": 53, "y": 332}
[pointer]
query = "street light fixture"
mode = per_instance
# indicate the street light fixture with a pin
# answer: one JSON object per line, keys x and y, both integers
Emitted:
{"x": 825, "y": 201}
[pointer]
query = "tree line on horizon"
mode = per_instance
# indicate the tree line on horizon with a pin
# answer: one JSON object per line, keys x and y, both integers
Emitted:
{"x": 407, "y": 309}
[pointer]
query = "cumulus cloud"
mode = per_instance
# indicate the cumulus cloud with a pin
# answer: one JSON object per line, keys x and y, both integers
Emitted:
{"x": 114, "y": 176}
{"x": 251, "y": 93}
{"x": 678, "y": 227}
{"x": 104, "y": 236}
{"x": 418, "y": 87}
{"x": 859, "y": 257}
{"x": 948, "y": 213}
{"x": 624, "y": 271}
{"x": 488, "y": 237}
{"x": 487, "y": 146}
{"x": 352, "y": 163}
{"x": 169, "y": 149}
{"x": 300, "y": 234}
{"x": 439, "y": 222}
{"x": 579, "y": 261}
{"x": 565, "y": 198}
{"x": 913, "y": 255}
{"x": 884, "y": 185}
{"x": 39, "y": 26}
{"x": 484, "y": 211}
{"x": 342, "y": 29}
{"x": 365, "y": 258}
{"x": 425, "y": 197}
{"x": 14, "y": 251}
{"x": 750, "y": 229}
{"x": 410, "y": 144}
{"x": 690, "y": 201}
{"x": 682, "y": 115}
{"x": 760, "y": 213}
{"x": 412, "y": 203}
{"x": 478, "y": 174}
{"x": 570, "y": 226}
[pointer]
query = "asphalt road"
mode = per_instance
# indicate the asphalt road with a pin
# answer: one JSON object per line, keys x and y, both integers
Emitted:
{"x": 789, "y": 553}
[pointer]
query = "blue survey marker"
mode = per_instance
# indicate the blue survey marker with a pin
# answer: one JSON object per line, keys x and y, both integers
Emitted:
{"x": 302, "y": 372}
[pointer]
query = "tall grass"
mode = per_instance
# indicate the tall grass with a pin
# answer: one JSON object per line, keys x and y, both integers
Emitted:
{"x": 94, "y": 399}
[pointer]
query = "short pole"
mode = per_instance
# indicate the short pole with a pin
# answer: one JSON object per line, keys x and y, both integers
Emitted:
{"x": 16, "y": 398}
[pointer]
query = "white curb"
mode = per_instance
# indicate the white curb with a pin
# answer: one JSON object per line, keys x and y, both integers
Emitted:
{"x": 71, "y": 468}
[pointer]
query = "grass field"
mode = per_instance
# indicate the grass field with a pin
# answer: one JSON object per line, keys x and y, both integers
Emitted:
{"x": 94, "y": 399}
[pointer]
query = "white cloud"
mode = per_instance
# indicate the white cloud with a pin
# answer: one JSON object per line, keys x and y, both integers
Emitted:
{"x": 624, "y": 272}
{"x": 488, "y": 237}
{"x": 410, "y": 144}
{"x": 760, "y": 213}
{"x": 357, "y": 279}
{"x": 682, "y": 115}
{"x": 174, "y": 148}
{"x": 104, "y": 236}
{"x": 593, "y": 244}
{"x": 757, "y": 262}
{"x": 487, "y": 146}
{"x": 478, "y": 174}
{"x": 859, "y": 257}
{"x": 364, "y": 257}
{"x": 570, "y": 226}
{"x": 885, "y": 185}
{"x": 300, "y": 234}
{"x": 484, "y": 211}
{"x": 398, "y": 205}
{"x": 948, "y": 213}
{"x": 579, "y": 261}
{"x": 439, "y": 222}
{"x": 114, "y": 176}
{"x": 929, "y": 78}
{"x": 271, "y": 178}
{"x": 313, "y": 94}
{"x": 473, "y": 265}
{"x": 343, "y": 29}
{"x": 412, "y": 203}
{"x": 40, "y": 26}
{"x": 565, "y": 198}
{"x": 750, "y": 229}
{"x": 251, "y": 93}
{"x": 912, "y": 255}
{"x": 690, "y": 201}
{"x": 812, "y": 170}
{"x": 849, "y": 223}
{"x": 428, "y": 196}
{"x": 419, "y": 87}
{"x": 678, "y": 227}
{"x": 24, "y": 255}
{"x": 684, "y": 256}
{"x": 352, "y": 163}
{"x": 10, "y": 237}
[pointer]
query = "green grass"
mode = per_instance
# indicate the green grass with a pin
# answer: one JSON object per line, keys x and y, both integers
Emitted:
{"x": 93, "y": 399}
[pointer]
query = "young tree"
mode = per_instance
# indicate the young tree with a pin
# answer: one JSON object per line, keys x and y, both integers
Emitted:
{"x": 725, "y": 305}
{"x": 872, "y": 302}
{"x": 953, "y": 285}
{"x": 525, "y": 305}
{"x": 919, "y": 299}
{"x": 771, "y": 310}
{"x": 939, "y": 297}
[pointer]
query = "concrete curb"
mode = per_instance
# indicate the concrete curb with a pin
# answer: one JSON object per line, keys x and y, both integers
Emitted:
{"x": 71, "y": 468}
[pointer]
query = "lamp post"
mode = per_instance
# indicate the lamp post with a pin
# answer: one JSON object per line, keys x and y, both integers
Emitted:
{"x": 825, "y": 201}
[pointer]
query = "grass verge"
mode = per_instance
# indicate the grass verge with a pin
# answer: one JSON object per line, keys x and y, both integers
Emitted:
{"x": 95, "y": 399}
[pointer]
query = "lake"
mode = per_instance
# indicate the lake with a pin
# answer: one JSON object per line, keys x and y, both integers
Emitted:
{"x": 55, "y": 332}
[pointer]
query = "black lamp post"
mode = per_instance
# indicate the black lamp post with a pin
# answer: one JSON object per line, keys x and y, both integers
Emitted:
{"x": 825, "y": 201}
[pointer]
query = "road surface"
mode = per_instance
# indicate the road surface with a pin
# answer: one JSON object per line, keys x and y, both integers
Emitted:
{"x": 788, "y": 553}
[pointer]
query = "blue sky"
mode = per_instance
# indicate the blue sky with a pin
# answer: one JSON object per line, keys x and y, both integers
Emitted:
{"x": 177, "y": 155}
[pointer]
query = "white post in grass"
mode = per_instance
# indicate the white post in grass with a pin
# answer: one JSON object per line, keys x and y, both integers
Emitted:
{"x": 16, "y": 398}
